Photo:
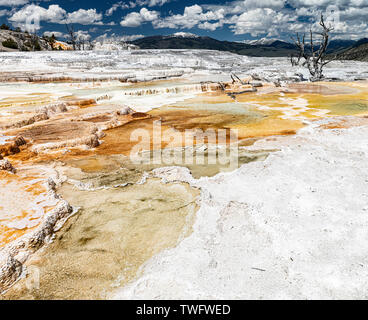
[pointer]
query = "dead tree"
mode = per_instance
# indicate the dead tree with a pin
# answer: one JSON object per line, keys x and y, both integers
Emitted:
{"x": 80, "y": 43}
{"x": 222, "y": 86}
{"x": 295, "y": 61}
{"x": 237, "y": 79}
{"x": 72, "y": 35}
{"x": 315, "y": 56}
{"x": 34, "y": 40}
{"x": 19, "y": 42}
{"x": 90, "y": 45}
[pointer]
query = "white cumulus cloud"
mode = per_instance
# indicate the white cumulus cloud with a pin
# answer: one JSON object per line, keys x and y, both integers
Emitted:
{"x": 35, "y": 14}
{"x": 85, "y": 17}
{"x": 135, "y": 19}
{"x": 193, "y": 16}
{"x": 12, "y": 3}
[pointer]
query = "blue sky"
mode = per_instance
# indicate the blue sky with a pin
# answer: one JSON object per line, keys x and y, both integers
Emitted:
{"x": 232, "y": 20}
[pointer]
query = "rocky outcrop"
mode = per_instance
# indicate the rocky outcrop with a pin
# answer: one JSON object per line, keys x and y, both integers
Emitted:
{"x": 359, "y": 53}
{"x": 5, "y": 165}
{"x": 89, "y": 141}
{"x": 9, "y": 149}
{"x": 13, "y": 257}
{"x": 15, "y": 254}
{"x": 20, "y": 141}
{"x": 46, "y": 112}
{"x": 13, "y": 147}
{"x": 21, "y": 41}
{"x": 10, "y": 270}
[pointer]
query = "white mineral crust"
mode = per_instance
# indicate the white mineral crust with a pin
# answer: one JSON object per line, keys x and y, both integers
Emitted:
{"x": 292, "y": 227}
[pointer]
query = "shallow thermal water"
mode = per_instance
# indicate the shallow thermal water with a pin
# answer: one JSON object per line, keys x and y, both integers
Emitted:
{"x": 107, "y": 171}
{"x": 24, "y": 200}
{"x": 114, "y": 233}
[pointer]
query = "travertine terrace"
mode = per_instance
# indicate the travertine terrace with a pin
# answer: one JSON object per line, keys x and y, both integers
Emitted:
{"x": 288, "y": 222}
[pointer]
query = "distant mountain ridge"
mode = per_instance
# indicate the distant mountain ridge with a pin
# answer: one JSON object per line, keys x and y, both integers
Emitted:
{"x": 263, "y": 41}
{"x": 275, "y": 49}
{"x": 256, "y": 48}
{"x": 360, "y": 42}
{"x": 359, "y": 51}
{"x": 15, "y": 40}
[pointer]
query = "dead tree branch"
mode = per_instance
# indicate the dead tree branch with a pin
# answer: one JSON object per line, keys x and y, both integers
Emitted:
{"x": 315, "y": 56}
{"x": 72, "y": 35}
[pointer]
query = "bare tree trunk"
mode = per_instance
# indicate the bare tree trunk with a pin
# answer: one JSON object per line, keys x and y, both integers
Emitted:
{"x": 90, "y": 45}
{"x": 72, "y": 35}
{"x": 34, "y": 41}
{"x": 314, "y": 60}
